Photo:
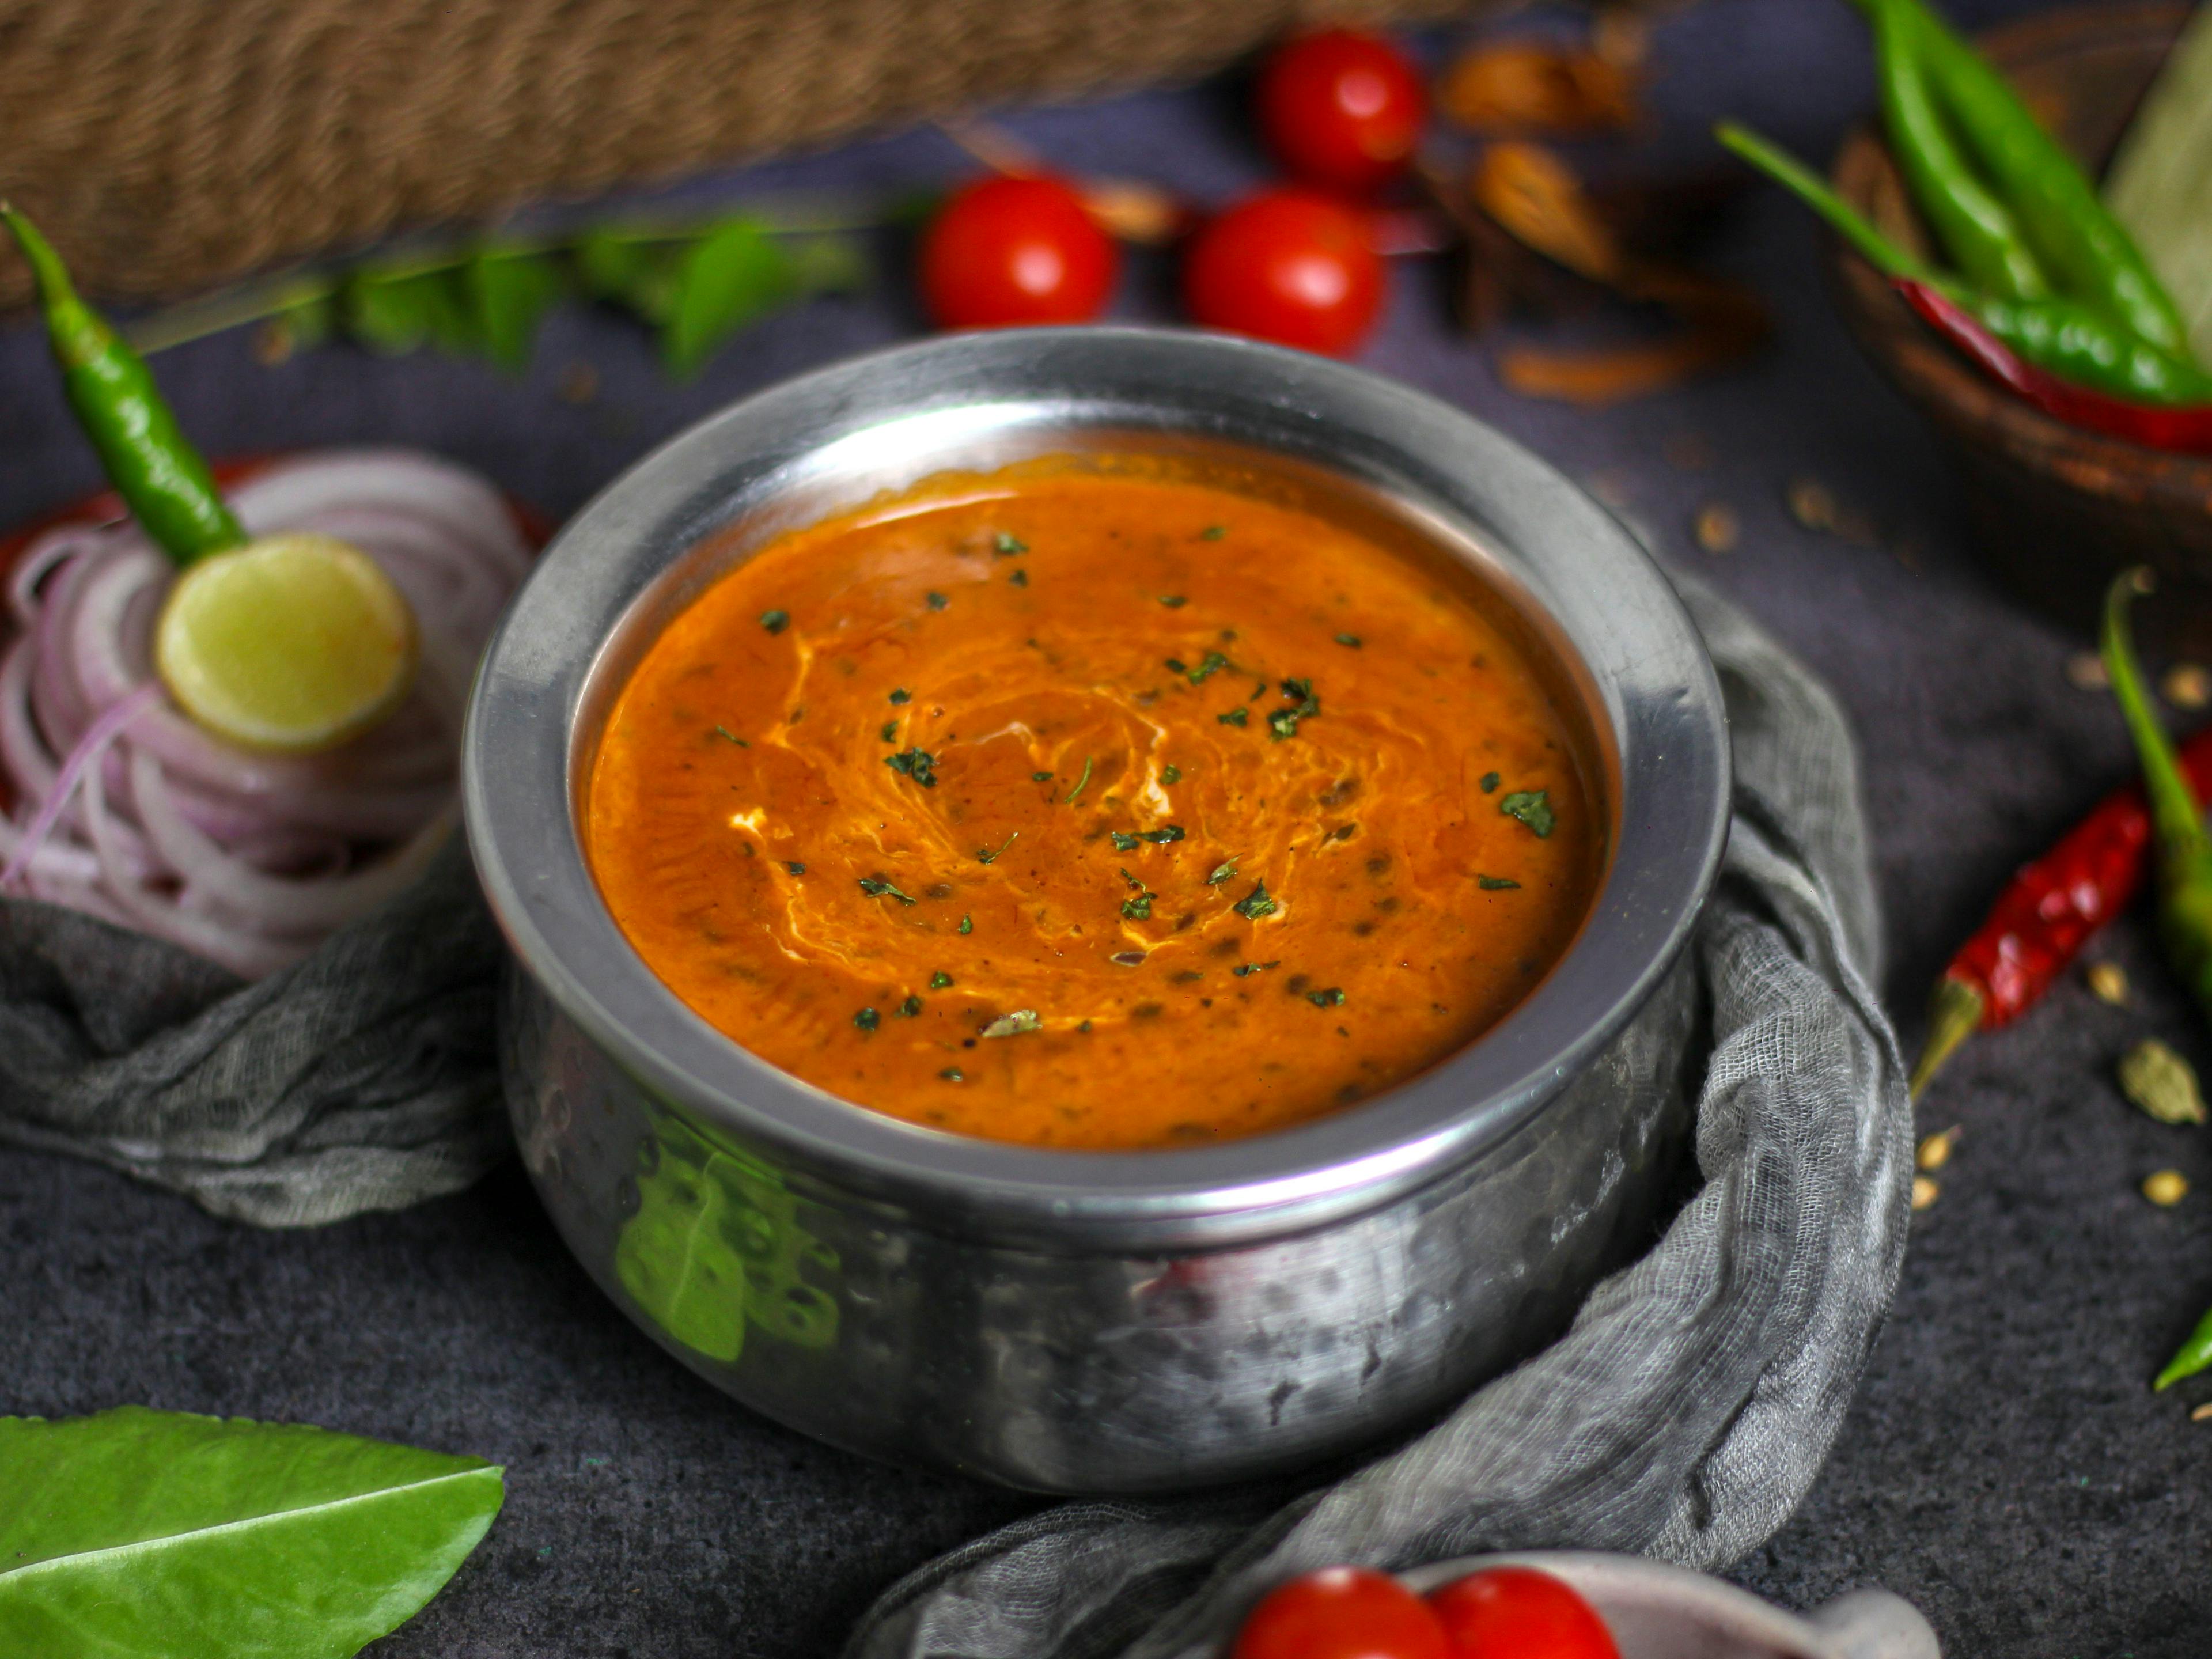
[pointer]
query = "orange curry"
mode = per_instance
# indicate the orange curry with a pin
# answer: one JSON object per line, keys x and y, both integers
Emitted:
{"x": 1095, "y": 806}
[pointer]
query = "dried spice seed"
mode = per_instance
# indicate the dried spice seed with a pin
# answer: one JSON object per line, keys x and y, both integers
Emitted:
{"x": 2159, "y": 1081}
{"x": 2085, "y": 669}
{"x": 2203, "y": 1413}
{"x": 2186, "y": 685}
{"x": 1811, "y": 503}
{"x": 2108, "y": 982}
{"x": 1717, "y": 528}
{"x": 1935, "y": 1151}
{"x": 1924, "y": 1192}
{"x": 2166, "y": 1189}
{"x": 1020, "y": 1022}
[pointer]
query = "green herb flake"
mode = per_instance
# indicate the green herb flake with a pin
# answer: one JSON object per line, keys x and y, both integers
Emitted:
{"x": 937, "y": 601}
{"x": 1161, "y": 836}
{"x": 1019, "y": 578}
{"x": 1122, "y": 843}
{"x": 1040, "y": 777}
{"x": 890, "y": 731}
{"x": 724, "y": 732}
{"x": 1139, "y": 908}
{"x": 966, "y": 924}
{"x": 1176, "y": 665}
{"x": 1018, "y": 1023}
{"x": 1530, "y": 806}
{"x": 867, "y": 1019}
{"x": 986, "y": 854}
{"x": 1284, "y": 722}
{"x": 939, "y": 979}
{"x": 1332, "y": 998}
{"x": 1234, "y": 717}
{"x": 901, "y": 696}
{"x": 795, "y": 868}
{"x": 876, "y": 887}
{"x": 953, "y": 1074}
{"x": 1489, "y": 783}
{"x": 1223, "y": 872}
{"x": 916, "y": 763}
{"x": 909, "y": 1008}
{"x": 1006, "y": 546}
{"x": 775, "y": 620}
{"x": 1256, "y": 904}
{"x": 1174, "y": 601}
{"x": 1208, "y": 666}
{"x": 1214, "y": 532}
{"x": 1172, "y": 774}
{"x": 1351, "y": 640}
{"x": 1081, "y": 783}
{"x": 1496, "y": 884}
{"x": 1244, "y": 968}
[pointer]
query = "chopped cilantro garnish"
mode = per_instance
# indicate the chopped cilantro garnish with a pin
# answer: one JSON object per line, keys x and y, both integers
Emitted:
{"x": 916, "y": 763}
{"x": 1489, "y": 782}
{"x": 1123, "y": 843}
{"x": 1019, "y": 578}
{"x": 953, "y": 1074}
{"x": 1176, "y": 665}
{"x": 1495, "y": 884}
{"x": 1040, "y": 777}
{"x": 867, "y": 1019}
{"x": 966, "y": 924}
{"x": 939, "y": 979}
{"x": 1332, "y": 998}
{"x": 901, "y": 696}
{"x": 876, "y": 887}
{"x": 725, "y": 732}
{"x": 795, "y": 868}
{"x": 1163, "y": 836}
{"x": 985, "y": 854}
{"x": 1352, "y": 640}
{"x": 1225, "y": 871}
{"x": 1284, "y": 722}
{"x": 1170, "y": 774}
{"x": 937, "y": 601}
{"x": 1133, "y": 881}
{"x": 1244, "y": 968}
{"x": 1234, "y": 717}
{"x": 1139, "y": 908}
{"x": 1214, "y": 532}
{"x": 1530, "y": 807}
{"x": 909, "y": 1008}
{"x": 890, "y": 731}
{"x": 775, "y": 620}
{"x": 1208, "y": 666}
{"x": 1256, "y": 903}
{"x": 1080, "y": 783}
{"x": 1014, "y": 1025}
{"x": 1174, "y": 601}
{"x": 1007, "y": 546}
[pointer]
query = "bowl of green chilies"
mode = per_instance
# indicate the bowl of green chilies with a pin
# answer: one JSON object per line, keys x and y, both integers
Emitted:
{"x": 1977, "y": 188}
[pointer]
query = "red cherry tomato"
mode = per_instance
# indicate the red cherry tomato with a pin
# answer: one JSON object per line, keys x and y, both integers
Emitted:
{"x": 1005, "y": 252}
{"x": 1342, "y": 108}
{"x": 1518, "y": 1613}
{"x": 1287, "y": 265}
{"x": 1342, "y": 1612}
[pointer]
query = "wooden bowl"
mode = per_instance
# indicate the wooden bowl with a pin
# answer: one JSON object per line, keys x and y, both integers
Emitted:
{"x": 2056, "y": 511}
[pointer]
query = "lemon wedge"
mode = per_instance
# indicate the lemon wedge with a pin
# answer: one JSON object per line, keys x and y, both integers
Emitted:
{"x": 290, "y": 644}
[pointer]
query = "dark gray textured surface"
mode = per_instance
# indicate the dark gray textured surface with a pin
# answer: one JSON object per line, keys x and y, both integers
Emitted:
{"x": 2007, "y": 1466}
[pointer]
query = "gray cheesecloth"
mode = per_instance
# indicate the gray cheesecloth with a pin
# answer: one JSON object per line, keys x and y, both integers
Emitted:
{"x": 1683, "y": 1415}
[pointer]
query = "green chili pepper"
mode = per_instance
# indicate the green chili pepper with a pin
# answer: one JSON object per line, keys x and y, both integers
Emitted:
{"x": 161, "y": 476}
{"x": 1979, "y": 231}
{"x": 2080, "y": 243}
{"x": 2191, "y": 1357}
{"x": 2070, "y": 339}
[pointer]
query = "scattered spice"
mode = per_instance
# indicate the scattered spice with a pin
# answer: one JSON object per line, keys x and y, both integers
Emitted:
{"x": 2159, "y": 1081}
{"x": 937, "y": 601}
{"x": 579, "y": 384}
{"x": 909, "y": 1008}
{"x": 2186, "y": 685}
{"x": 867, "y": 1019}
{"x": 877, "y": 887}
{"x": 1811, "y": 503}
{"x": 953, "y": 1074}
{"x": 901, "y": 695}
{"x": 1170, "y": 774}
{"x": 1496, "y": 884}
{"x": 775, "y": 620}
{"x": 939, "y": 979}
{"x": 1351, "y": 640}
{"x": 1040, "y": 777}
{"x": 1924, "y": 1192}
{"x": 1489, "y": 784}
{"x": 1531, "y": 808}
{"x": 2108, "y": 982}
{"x": 1005, "y": 546}
{"x": 1718, "y": 530}
{"x": 916, "y": 763}
{"x": 1935, "y": 1151}
{"x": 1174, "y": 601}
{"x": 1528, "y": 86}
{"x": 1081, "y": 783}
{"x": 2166, "y": 1188}
{"x": 1018, "y": 1023}
{"x": 2085, "y": 669}
{"x": 2203, "y": 1413}
{"x": 1256, "y": 903}
{"x": 795, "y": 868}
{"x": 1242, "y": 969}
{"x": 1332, "y": 998}
{"x": 967, "y": 924}
{"x": 1019, "y": 578}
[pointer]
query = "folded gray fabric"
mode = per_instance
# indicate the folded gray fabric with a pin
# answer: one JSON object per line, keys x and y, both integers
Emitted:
{"x": 1687, "y": 1410}
{"x": 365, "y": 1078}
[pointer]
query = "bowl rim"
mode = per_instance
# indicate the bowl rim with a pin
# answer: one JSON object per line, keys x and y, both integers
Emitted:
{"x": 1583, "y": 572}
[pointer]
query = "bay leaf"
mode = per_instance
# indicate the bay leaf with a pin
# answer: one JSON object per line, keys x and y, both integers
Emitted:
{"x": 145, "y": 1534}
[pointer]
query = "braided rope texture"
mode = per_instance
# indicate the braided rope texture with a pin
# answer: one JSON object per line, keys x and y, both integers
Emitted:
{"x": 169, "y": 145}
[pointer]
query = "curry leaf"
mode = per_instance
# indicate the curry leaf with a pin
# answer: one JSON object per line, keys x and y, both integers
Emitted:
{"x": 628, "y": 271}
{"x": 508, "y": 295}
{"x": 139, "y": 1534}
{"x": 734, "y": 275}
{"x": 397, "y": 314}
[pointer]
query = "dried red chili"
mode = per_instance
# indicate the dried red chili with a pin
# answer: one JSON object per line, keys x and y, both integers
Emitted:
{"x": 2184, "y": 429}
{"x": 2046, "y": 914}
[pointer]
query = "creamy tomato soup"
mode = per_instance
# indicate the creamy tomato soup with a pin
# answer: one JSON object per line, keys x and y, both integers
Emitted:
{"x": 1090, "y": 806}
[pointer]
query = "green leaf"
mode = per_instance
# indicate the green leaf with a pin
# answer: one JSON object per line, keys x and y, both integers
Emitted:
{"x": 397, "y": 314}
{"x": 146, "y": 1534}
{"x": 630, "y": 272}
{"x": 309, "y": 322}
{"x": 508, "y": 295}
{"x": 733, "y": 275}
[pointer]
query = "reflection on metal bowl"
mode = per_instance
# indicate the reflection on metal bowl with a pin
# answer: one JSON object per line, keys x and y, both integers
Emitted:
{"x": 1098, "y": 1321}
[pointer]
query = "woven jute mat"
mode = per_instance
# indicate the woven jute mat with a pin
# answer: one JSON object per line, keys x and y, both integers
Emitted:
{"x": 168, "y": 145}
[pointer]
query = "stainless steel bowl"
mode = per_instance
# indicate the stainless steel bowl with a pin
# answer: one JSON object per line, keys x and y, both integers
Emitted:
{"x": 1096, "y": 1321}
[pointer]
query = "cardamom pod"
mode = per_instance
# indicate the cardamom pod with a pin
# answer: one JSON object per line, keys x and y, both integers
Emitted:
{"x": 2160, "y": 1081}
